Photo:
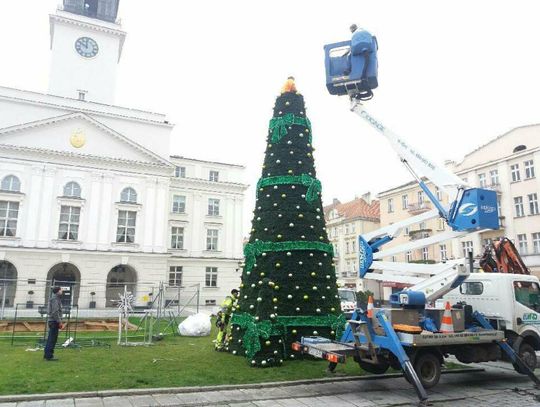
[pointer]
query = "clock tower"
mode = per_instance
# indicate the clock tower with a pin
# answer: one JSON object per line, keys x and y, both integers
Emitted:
{"x": 86, "y": 45}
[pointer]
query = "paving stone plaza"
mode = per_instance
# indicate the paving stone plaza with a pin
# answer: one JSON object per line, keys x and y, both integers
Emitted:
{"x": 495, "y": 386}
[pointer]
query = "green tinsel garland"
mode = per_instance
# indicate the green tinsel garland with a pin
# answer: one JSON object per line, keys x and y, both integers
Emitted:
{"x": 264, "y": 329}
{"x": 278, "y": 125}
{"x": 252, "y": 250}
{"x": 313, "y": 184}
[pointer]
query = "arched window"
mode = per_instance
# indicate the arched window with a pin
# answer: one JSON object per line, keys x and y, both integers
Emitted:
{"x": 519, "y": 148}
{"x": 128, "y": 195}
{"x": 72, "y": 189}
{"x": 11, "y": 183}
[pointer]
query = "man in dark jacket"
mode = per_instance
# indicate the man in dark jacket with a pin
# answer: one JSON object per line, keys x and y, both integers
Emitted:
{"x": 55, "y": 322}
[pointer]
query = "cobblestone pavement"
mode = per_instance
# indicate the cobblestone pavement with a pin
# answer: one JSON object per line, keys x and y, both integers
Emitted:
{"x": 492, "y": 388}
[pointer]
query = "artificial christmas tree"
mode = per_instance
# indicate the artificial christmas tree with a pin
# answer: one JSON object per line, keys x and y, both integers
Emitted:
{"x": 288, "y": 285}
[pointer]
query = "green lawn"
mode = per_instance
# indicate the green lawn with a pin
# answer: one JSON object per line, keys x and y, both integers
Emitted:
{"x": 174, "y": 361}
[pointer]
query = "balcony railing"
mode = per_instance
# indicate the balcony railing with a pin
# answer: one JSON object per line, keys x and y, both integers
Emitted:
{"x": 419, "y": 234}
{"x": 419, "y": 207}
{"x": 493, "y": 187}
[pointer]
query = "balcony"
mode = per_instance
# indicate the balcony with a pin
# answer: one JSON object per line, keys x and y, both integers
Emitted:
{"x": 419, "y": 234}
{"x": 493, "y": 187}
{"x": 419, "y": 207}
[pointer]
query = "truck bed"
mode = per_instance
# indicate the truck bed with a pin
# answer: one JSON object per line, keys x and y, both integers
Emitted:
{"x": 457, "y": 338}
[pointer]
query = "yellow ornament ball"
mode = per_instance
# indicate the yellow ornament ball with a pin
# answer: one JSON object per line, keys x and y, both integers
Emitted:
{"x": 306, "y": 297}
{"x": 274, "y": 300}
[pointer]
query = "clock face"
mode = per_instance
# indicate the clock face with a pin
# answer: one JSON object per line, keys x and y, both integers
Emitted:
{"x": 86, "y": 47}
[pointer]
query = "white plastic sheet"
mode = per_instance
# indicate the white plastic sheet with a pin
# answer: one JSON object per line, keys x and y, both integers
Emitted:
{"x": 195, "y": 325}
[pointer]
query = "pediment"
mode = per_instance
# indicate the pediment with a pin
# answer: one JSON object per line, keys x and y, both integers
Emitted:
{"x": 78, "y": 133}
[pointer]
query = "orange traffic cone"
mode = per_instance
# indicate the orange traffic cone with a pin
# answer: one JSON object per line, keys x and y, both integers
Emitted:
{"x": 370, "y": 307}
{"x": 447, "y": 326}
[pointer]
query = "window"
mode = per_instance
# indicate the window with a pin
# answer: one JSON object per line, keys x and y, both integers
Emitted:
{"x": 536, "y": 242}
{"x": 353, "y": 246}
{"x": 69, "y": 223}
{"x": 494, "y": 175}
{"x": 482, "y": 180}
{"x": 211, "y": 276}
{"x": 390, "y": 205}
{"x": 347, "y": 250}
{"x": 405, "y": 201}
{"x": 518, "y": 206}
{"x": 180, "y": 172}
{"x": 175, "y": 276}
{"x": 409, "y": 256}
{"x": 442, "y": 252}
{"x": 346, "y": 228}
{"x": 499, "y": 205}
{"x": 72, "y": 190}
{"x": 82, "y": 94}
{"x": 177, "y": 238}
{"x": 465, "y": 180}
{"x": 438, "y": 193}
{"x": 353, "y": 228}
{"x": 125, "y": 232}
{"x": 527, "y": 293}
{"x": 441, "y": 225}
{"x": 515, "y": 172}
{"x": 393, "y": 259}
{"x": 213, "y": 176}
{"x": 179, "y": 204}
{"x": 522, "y": 244}
{"x": 472, "y": 288}
{"x": 213, "y": 207}
{"x": 128, "y": 195}
{"x": 533, "y": 204}
{"x": 11, "y": 183}
{"x": 407, "y": 230}
{"x": 422, "y": 225}
{"x": 9, "y": 213}
{"x": 420, "y": 197}
{"x": 529, "y": 169}
{"x": 467, "y": 247}
{"x": 212, "y": 239}
{"x": 425, "y": 253}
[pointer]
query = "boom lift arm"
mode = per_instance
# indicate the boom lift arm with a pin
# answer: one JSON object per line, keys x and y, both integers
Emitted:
{"x": 351, "y": 69}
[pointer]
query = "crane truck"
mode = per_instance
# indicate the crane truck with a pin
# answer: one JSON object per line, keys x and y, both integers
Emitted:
{"x": 495, "y": 315}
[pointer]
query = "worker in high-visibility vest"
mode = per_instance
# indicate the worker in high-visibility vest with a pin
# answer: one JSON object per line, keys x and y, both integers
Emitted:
{"x": 224, "y": 316}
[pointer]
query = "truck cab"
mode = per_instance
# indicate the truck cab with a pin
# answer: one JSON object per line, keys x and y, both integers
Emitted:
{"x": 348, "y": 300}
{"x": 511, "y": 302}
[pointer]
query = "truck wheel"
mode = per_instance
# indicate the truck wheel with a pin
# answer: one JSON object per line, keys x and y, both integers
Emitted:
{"x": 428, "y": 369}
{"x": 528, "y": 356}
{"x": 373, "y": 368}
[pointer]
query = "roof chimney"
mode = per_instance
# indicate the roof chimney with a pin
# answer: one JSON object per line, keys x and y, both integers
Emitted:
{"x": 335, "y": 201}
{"x": 367, "y": 197}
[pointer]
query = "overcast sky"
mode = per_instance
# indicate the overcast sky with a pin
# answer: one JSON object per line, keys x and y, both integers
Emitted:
{"x": 453, "y": 75}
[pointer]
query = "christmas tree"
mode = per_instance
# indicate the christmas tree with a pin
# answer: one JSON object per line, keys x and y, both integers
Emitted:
{"x": 288, "y": 285}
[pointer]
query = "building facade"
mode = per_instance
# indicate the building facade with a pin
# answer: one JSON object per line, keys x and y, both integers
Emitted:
{"x": 90, "y": 197}
{"x": 505, "y": 165}
{"x": 344, "y": 222}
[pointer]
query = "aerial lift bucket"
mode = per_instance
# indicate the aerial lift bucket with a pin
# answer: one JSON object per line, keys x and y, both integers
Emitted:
{"x": 351, "y": 66}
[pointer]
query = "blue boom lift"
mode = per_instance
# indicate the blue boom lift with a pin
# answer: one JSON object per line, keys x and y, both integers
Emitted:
{"x": 378, "y": 342}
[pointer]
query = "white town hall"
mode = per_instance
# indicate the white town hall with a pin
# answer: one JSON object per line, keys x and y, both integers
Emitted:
{"x": 90, "y": 194}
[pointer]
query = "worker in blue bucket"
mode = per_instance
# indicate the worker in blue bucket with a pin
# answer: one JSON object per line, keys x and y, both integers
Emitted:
{"x": 223, "y": 317}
